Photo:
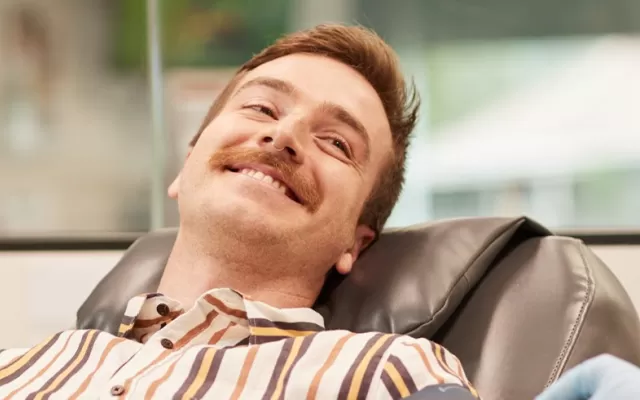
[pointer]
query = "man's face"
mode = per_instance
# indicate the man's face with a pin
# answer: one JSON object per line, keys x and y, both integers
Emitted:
{"x": 317, "y": 128}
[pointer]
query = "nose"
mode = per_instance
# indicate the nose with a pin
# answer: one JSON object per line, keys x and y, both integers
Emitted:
{"x": 288, "y": 140}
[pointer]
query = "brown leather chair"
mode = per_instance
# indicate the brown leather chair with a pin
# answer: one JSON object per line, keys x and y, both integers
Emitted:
{"x": 516, "y": 304}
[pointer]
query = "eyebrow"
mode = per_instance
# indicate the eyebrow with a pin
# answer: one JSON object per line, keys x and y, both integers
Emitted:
{"x": 343, "y": 116}
{"x": 336, "y": 111}
{"x": 276, "y": 84}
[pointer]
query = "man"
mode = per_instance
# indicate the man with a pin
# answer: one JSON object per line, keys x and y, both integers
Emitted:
{"x": 294, "y": 172}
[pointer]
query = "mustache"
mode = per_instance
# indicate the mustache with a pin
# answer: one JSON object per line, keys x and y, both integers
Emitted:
{"x": 302, "y": 186}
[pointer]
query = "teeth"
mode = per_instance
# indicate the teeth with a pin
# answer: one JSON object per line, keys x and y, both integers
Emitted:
{"x": 265, "y": 178}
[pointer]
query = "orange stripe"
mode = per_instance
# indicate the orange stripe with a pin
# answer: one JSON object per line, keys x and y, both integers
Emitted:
{"x": 244, "y": 373}
{"x": 83, "y": 387}
{"x": 198, "y": 329}
{"x": 295, "y": 348}
{"x": 315, "y": 383}
{"x": 42, "y": 371}
{"x": 443, "y": 363}
{"x": 21, "y": 361}
{"x": 146, "y": 323}
{"x": 63, "y": 374}
{"x": 358, "y": 376}
{"x": 162, "y": 356}
{"x": 151, "y": 392}
{"x": 219, "y": 334}
{"x": 426, "y": 362}
{"x": 224, "y": 308}
{"x": 201, "y": 375}
{"x": 178, "y": 345}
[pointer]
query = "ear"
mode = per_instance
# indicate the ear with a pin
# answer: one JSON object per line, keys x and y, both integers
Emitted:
{"x": 364, "y": 237}
{"x": 174, "y": 188}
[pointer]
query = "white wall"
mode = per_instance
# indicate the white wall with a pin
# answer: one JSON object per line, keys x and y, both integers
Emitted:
{"x": 43, "y": 290}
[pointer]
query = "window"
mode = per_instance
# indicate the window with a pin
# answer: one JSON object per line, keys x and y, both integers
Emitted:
{"x": 528, "y": 106}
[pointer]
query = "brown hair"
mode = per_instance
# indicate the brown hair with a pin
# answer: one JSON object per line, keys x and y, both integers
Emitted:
{"x": 375, "y": 60}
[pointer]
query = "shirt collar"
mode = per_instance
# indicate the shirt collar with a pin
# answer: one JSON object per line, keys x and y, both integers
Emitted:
{"x": 265, "y": 323}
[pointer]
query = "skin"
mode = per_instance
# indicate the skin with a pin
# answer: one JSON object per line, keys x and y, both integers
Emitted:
{"x": 327, "y": 123}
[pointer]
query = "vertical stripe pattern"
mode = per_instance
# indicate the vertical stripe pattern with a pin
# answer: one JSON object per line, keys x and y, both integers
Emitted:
{"x": 229, "y": 347}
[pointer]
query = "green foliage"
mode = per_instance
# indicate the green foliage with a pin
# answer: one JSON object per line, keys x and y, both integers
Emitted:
{"x": 199, "y": 32}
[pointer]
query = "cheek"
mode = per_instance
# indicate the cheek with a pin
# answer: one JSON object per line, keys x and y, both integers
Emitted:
{"x": 345, "y": 195}
{"x": 225, "y": 131}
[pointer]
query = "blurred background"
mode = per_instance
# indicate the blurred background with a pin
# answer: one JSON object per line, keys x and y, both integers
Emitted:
{"x": 529, "y": 107}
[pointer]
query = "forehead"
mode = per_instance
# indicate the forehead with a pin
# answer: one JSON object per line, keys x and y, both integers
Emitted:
{"x": 319, "y": 79}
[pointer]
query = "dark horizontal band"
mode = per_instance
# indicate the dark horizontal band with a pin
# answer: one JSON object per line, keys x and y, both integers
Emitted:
{"x": 122, "y": 241}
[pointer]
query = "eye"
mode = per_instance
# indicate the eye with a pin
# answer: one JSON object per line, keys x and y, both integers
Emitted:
{"x": 340, "y": 144}
{"x": 269, "y": 112}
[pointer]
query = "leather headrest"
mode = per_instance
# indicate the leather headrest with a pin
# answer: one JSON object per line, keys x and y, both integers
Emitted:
{"x": 410, "y": 281}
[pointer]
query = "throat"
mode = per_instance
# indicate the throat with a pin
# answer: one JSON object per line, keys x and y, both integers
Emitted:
{"x": 186, "y": 279}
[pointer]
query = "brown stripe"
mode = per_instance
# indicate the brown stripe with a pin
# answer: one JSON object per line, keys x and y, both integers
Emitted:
{"x": 27, "y": 360}
{"x": 52, "y": 383}
{"x": 348, "y": 380}
{"x": 211, "y": 375}
{"x": 217, "y": 336}
{"x": 153, "y": 363}
{"x": 277, "y": 370}
{"x": 391, "y": 387}
{"x": 266, "y": 339}
{"x": 287, "y": 326}
{"x": 404, "y": 373}
{"x": 315, "y": 384}
{"x": 195, "y": 367}
{"x": 42, "y": 371}
{"x": 13, "y": 360}
{"x": 156, "y": 384}
{"x": 146, "y": 323}
{"x": 306, "y": 342}
{"x": 439, "y": 352}
{"x": 373, "y": 366}
{"x": 243, "y": 342}
{"x": 427, "y": 364}
{"x": 224, "y": 308}
{"x": 85, "y": 384}
{"x": 78, "y": 359}
{"x": 128, "y": 320}
{"x": 244, "y": 373}
{"x": 79, "y": 365}
{"x": 195, "y": 331}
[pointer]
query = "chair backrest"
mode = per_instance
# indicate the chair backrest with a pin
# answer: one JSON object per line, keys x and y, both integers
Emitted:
{"x": 514, "y": 303}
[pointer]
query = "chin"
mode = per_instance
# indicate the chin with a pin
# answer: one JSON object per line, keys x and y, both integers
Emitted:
{"x": 246, "y": 222}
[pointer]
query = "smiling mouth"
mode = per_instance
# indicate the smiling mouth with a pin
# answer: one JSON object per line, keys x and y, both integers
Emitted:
{"x": 275, "y": 183}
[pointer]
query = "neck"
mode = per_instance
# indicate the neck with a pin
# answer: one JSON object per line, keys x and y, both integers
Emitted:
{"x": 192, "y": 269}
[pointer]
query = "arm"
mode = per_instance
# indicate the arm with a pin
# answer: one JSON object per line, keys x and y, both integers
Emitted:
{"x": 424, "y": 369}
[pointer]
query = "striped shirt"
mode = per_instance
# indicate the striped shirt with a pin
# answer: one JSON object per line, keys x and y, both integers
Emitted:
{"x": 225, "y": 347}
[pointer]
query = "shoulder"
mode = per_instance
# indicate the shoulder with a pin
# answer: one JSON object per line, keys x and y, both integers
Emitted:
{"x": 413, "y": 364}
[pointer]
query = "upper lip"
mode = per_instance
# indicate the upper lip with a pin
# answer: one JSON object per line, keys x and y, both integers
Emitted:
{"x": 272, "y": 172}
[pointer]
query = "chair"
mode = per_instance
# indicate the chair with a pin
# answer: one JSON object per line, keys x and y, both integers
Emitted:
{"x": 517, "y": 305}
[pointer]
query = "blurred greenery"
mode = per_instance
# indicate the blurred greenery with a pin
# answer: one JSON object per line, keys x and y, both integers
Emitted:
{"x": 199, "y": 32}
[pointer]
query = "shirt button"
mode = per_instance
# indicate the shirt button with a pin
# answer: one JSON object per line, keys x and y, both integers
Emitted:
{"x": 163, "y": 309}
{"x": 167, "y": 344}
{"x": 117, "y": 390}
